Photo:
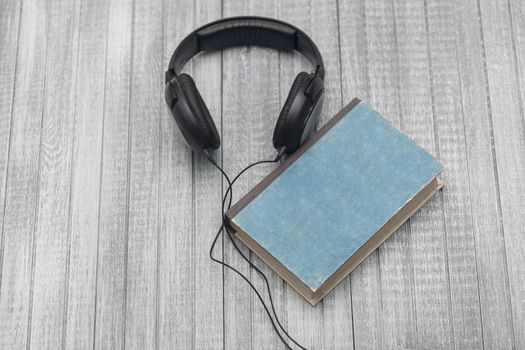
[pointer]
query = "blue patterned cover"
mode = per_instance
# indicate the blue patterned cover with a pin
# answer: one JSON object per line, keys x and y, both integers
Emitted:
{"x": 337, "y": 195}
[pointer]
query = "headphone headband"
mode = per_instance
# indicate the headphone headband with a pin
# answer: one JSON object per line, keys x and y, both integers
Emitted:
{"x": 243, "y": 31}
{"x": 301, "y": 110}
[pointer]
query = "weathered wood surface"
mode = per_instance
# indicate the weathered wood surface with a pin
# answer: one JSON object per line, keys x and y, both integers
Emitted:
{"x": 106, "y": 218}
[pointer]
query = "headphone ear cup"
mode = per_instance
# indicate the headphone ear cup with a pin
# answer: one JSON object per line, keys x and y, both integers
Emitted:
{"x": 284, "y": 127}
{"x": 200, "y": 112}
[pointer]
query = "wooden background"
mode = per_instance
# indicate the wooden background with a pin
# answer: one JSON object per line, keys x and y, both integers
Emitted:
{"x": 106, "y": 218}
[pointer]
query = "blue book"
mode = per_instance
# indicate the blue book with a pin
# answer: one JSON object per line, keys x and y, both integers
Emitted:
{"x": 320, "y": 213}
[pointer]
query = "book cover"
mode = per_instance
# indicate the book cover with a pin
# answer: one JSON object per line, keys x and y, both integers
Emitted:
{"x": 329, "y": 205}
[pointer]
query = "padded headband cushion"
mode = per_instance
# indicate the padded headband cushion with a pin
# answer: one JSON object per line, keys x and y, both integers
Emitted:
{"x": 281, "y": 128}
{"x": 199, "y": 110}
{"x": 241, "y": 31}
{"x": 244, "y": 32}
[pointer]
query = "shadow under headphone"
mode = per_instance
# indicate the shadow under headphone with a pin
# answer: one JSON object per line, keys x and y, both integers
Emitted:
{"x": 301, "y": 111}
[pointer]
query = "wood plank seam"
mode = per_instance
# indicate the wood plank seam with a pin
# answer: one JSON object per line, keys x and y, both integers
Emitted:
{"x": 35, "y": 224}
{"x": 495, "y": 169}
{"x": 438, "y": 156}
{"x": 68, "y": 147}
{"x": 9, "y": 143}
{"x": 460, "y": 90}
{"x": 71, "y": 183}
{"x": 128, "y": 175}
{"x": 97, "y": 265}
{"x": 159, "y": 190}
{"x": 342, "y": 103}
{"x": 37, "y": 190}
{"x": 515, "y": 62}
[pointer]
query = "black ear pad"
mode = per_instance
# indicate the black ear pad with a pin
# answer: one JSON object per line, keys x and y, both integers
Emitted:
{"x": 298, "y": 85}
{"x": 300, "y": 112}
{"x": 200, "y": 112}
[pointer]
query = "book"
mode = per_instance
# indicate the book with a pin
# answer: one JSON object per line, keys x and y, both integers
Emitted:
{"x": 321, "y": 212}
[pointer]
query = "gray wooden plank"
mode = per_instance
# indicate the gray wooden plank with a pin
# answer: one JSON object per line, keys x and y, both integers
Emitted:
{"x": 86, "y": 177}
{"x": 52, "y": 238}
{"x": 427, "y": 243}
{"x": 114, "y": 183}
{"x": 208, "y": 297}
{"x": 22, "y": 184}
{"x": 450, "y": 140}
{"x": 177, "y": 237}
{"x": 9, "y": 24}
{"x": 144, "y": 171}
{"x": 486, "y": 217}
{"x": 365, "y": 279}
{"x": 250, "y": 110}
{"x": 508, "y": 128}
{"x": 517, "y": 23}
{"x": 177, "y": 269}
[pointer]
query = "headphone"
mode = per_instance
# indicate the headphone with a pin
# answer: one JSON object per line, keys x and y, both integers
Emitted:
{"x": 300, "y": 114}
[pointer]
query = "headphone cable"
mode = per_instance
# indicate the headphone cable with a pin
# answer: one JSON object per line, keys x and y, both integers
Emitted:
{"x": 229, "y": 192}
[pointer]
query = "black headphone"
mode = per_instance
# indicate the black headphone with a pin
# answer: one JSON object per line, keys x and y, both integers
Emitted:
{"x": 300, "y": 114}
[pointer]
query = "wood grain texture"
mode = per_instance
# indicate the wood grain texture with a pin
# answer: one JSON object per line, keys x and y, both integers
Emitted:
{"x": 22, "y": 185}
{"x": 508, "y": 131}
{"x": 450, "y": 145}
{"x": 176, "y": 233}
{"x": 516, "y": 269}
{"x": 395, "y": 324}
{"x": 142, "y": 289}
{"x": 10, "y": 23}
{"x": 427, "y": 230}
{"x": 106, "y": 218}
{"x": 495, "y": 307}
{"x": 86, "y": 171}
{"x": 52, "y": 237}
{"x": 208, "y": 298}
{"x": 111, "y": 296}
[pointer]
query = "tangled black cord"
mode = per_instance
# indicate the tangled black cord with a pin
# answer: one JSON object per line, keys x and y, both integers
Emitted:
{"x": 224, "y": 227}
